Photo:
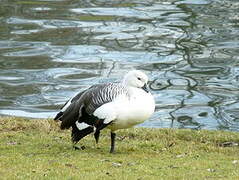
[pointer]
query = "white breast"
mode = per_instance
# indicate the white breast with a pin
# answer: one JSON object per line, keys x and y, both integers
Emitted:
{"x": 136, "y": 110}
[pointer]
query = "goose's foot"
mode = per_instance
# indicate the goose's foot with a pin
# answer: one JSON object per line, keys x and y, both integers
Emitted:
{"x": 78, "y": 148}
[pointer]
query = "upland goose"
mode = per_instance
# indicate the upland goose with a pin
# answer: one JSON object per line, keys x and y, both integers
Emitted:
{"x": 112, "y": 105}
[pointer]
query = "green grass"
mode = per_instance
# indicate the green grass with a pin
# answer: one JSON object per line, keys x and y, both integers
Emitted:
{"x": 37, "y": 149}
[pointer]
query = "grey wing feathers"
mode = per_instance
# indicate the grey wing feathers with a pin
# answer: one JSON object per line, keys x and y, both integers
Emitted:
{"x": 103, "y": 94}
{"x": 89, "y": 100}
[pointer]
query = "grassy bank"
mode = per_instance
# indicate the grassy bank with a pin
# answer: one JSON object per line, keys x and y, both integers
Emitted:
{"x": 37, "y": 149}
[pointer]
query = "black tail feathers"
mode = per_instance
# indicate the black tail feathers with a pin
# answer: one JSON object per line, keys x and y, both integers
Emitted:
{"x": 77, "y": 135}
{"x": 57, "y": 117}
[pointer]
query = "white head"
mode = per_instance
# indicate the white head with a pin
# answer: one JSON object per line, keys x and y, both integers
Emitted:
{"x": 136, "y": 78}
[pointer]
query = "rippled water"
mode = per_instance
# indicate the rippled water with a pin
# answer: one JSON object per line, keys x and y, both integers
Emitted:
{"x": 51, "y": 49}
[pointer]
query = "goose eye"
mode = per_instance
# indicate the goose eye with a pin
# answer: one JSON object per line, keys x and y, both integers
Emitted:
{"x": 139, "y": 78}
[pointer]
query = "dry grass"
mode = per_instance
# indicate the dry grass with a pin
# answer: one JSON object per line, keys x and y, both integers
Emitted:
{"x": 37, "y": 149}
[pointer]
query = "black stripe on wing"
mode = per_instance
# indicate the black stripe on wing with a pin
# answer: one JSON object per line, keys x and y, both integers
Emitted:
{"x": 84, "y": 104}
{"x": 60, "y": 114}
{"x": 102, "y": 94}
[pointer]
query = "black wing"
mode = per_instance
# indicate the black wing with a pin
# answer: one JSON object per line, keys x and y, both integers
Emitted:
{"x": 70, "y": 111}
{"x": 83, "y": 105}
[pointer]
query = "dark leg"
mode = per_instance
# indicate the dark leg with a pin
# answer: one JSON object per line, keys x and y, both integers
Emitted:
{"x": 97, "y": 135}
{"x": 112, "y": 148}
{"x": 97, "y": 132}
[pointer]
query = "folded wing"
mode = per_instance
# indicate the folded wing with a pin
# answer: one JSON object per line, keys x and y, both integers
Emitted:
{"x": 81, "y": 108}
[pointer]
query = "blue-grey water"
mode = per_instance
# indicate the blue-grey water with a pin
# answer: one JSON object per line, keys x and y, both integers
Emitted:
{"x": 51, "y": 49}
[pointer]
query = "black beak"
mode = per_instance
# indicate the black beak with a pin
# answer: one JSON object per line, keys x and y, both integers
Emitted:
{"x": 145, "y": 88}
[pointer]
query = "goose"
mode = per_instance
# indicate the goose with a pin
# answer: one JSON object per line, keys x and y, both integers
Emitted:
{"x": 109, "y": 105}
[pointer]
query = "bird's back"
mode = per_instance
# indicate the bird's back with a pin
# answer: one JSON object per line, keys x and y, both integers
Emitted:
{"x": 83, "y": 105}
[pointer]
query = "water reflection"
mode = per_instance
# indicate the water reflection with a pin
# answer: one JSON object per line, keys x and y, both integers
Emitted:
{"x": 49, "y": 50}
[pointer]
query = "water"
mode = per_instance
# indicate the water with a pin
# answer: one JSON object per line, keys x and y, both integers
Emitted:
{"x": 51, "y": 49}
